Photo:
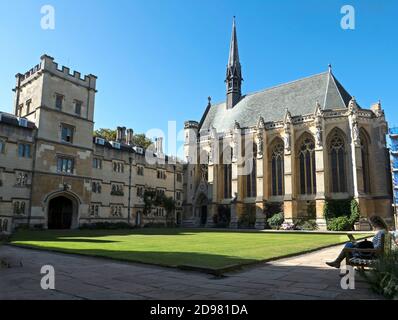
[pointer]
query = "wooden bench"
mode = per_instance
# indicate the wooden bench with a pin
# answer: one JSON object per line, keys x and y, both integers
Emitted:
{"x": 374, "y": 254}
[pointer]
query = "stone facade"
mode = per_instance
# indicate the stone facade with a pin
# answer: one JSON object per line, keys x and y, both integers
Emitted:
{"x": 67, "y": 177}
{"x": 305, "y": 142}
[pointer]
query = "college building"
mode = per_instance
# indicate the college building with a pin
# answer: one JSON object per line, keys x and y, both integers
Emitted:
{"x": 291, "y": 148}
{"x": 55, "y": 174}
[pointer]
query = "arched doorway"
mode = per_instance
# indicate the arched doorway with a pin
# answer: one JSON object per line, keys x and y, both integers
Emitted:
{"x": 201, "y": 209}
{"x": 60, "y": 213}
{"x": 203, "y": 215}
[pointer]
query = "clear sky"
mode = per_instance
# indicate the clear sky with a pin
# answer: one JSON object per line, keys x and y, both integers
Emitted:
{"x": 159, "y": 60}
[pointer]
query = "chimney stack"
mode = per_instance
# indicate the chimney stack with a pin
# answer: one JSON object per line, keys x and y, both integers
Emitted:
{"x": 123, "y": 134}
{"x": 129, "y": 138}
{"x": 159, "y": 145}
{"x": 118, "y": 134}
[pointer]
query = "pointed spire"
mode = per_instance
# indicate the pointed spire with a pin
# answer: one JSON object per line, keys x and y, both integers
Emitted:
{"x": 234, "y": 71}
{"x": 288, "y": 117}
{"x": 233, "y": 49}
{"x": 318, "y": 109}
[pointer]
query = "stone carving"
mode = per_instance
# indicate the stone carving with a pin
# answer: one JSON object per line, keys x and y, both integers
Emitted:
{"x": 287, "y": 140}
{"x": 260, "y": 137}
{"x": 235, "y": 146}
{"x": 204, "y": 172}
{"x": 235, "y": 141}
{"x": 211, "y": 152}
{"x": 354, "y": 122}
{"x": 260, "y": 144}
{"x": 352, "y": 106}
{"x": 355, "y": 133}
{"x": 212, "y": 141}
{"x": 318, "y": 125}
{"x": 288, "y": 134}
{"x": 22, "y": 179}
{"x": 318, "y": 136}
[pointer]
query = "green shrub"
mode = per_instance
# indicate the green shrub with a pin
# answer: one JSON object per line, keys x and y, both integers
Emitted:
{"x": 355, "y": 212}
{"x": 341, "y": 215}
{"x": 337, "y": 208}
{"x": 384, "y": 277}
{"x": 339, "y": 224}
{"x": 154, "y": 225}
{"x": 248, "y": 218}
{"x": 276, "y": 220}
{"x": 307, "y": 224}
{"x": 311, "y": 210}
{"x": 222, "y": 218}
{"x": 4, "y": 238}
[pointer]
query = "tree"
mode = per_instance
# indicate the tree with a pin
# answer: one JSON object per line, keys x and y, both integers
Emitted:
{"x": 140, "y": 139}
{"x": 107, "y": 134}
{"x": 153, "y": 199}
{"x": 169, "y": 205}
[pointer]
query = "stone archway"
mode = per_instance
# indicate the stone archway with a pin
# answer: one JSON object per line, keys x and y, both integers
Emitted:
{"x": 62, "y": 211}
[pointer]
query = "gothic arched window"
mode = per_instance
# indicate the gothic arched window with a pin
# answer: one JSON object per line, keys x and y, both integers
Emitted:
{"x": 227, "y": 172}
{"x": 16, "y": 207}
{"x": 277, "y": 169}
{"x": 307, "y": 166}
{"x": 365, "y": 161}
{"x": 22, "y": 210}
{"x": 251, "y": 183}
{"x": 337, "y": 162}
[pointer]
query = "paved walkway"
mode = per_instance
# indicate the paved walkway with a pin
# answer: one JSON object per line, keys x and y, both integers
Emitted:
{"x": 302, "y": 277}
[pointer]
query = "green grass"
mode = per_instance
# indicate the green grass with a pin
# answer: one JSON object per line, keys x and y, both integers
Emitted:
{"x": 178, "y": 247}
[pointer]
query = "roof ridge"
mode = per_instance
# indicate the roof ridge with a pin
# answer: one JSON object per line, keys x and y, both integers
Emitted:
{"x": 278, "y": 86}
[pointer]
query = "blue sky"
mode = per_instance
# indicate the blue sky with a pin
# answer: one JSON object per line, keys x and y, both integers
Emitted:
{"x": 160, "y": 60}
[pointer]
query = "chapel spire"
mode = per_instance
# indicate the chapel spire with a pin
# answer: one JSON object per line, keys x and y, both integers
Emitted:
{"x": 234, "y": 71}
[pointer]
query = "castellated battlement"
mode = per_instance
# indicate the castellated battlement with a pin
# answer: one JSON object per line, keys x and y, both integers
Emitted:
{"x": 191, "y": 124}
{"x": 48, "y": 64}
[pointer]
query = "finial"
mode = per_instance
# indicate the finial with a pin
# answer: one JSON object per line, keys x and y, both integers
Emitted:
{"x": 209, "y": 99}
{"x": 330, "y": 68}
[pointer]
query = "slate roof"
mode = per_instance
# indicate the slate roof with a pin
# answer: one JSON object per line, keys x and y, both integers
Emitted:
{"x": 299, "y": 97}
{"x": 12, "y": 120}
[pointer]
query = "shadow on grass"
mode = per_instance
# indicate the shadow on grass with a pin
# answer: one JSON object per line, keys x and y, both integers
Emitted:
{"x": 87, "y": 233}
{"x": 208, "y": 263}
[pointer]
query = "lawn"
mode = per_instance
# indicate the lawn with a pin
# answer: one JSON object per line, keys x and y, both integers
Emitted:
{"x": 178, "y": 247}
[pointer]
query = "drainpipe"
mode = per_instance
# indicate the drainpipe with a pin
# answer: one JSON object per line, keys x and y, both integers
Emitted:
{"x": 175, "y": 203}
{"x": 33, "y": 173}
{"x": 17, "y": 92}
{"x": 129, "y": 200}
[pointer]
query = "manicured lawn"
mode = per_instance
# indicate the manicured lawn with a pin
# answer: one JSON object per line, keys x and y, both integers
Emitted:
{"x": 177, "y": 247}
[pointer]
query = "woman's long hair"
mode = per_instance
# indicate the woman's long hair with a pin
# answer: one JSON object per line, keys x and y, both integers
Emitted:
{"x": 378, "y": 223}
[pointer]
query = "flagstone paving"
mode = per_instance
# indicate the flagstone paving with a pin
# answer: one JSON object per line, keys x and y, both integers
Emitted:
{"x": 77, "y": 277}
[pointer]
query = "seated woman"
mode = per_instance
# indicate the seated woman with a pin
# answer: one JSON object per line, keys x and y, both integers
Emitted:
{"x": 395, "y": 239}
{"x": 379, "y": 225}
